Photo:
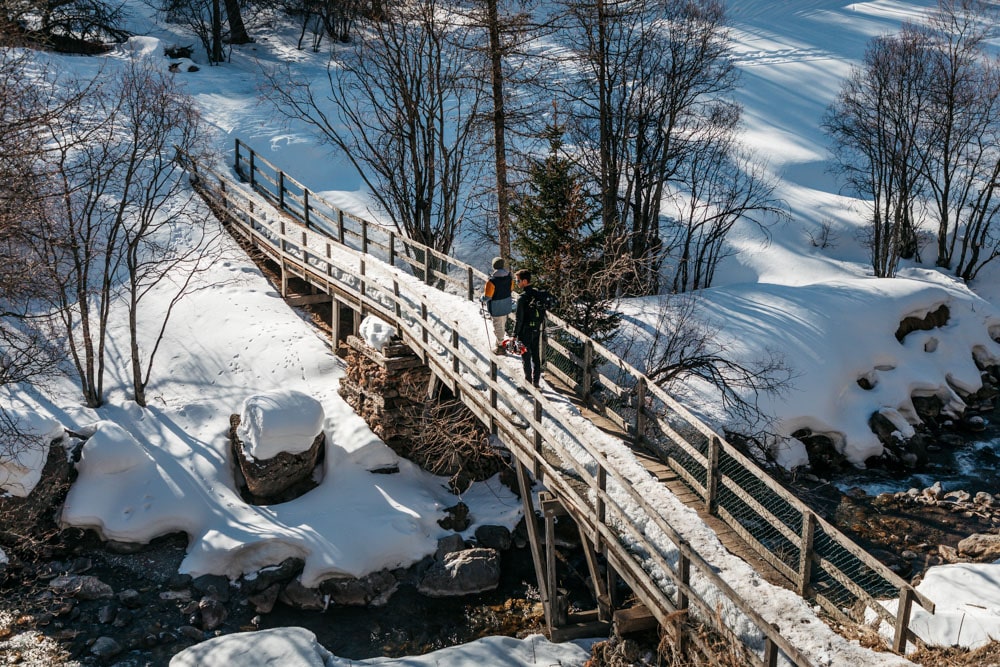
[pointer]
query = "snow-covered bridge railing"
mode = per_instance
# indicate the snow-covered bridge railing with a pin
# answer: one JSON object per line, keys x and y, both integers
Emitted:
{"x": 821, "y": 561}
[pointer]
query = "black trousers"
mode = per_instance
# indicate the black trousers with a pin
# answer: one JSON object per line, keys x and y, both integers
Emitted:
{"x": 531, "y": 359}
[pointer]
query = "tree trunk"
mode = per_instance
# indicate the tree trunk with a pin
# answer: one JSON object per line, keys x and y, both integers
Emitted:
{"x": 499, "y": 133}
{"x": 237, "y": 31}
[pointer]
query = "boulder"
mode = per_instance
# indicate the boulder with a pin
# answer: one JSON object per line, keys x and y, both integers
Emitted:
{"x": 373, "y": 590}
{"x": 294, "y": 594}
{"x": 981, "y": 547}
{"x": 494, "y": 537}
{"x": 462, "y": 573}
{"x": 270, "y": 480}
{"x": 82, "y": 587}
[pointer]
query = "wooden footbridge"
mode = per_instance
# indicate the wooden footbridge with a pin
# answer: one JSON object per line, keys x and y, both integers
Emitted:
{"x": 626, "y": 492}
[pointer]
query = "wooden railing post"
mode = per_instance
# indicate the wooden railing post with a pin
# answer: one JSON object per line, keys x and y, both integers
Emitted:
{"x": 236, "y": 160}
{"x": 423, "y": 327}
{"x": 493, "y": 396}
{"x": 684, "y": 574}
{"x": 305, "y": 206}
{"x": 640, "y": 411}
{"x": 471, "y": 291}
{"x": 340, "y": 226}
{"x": 539, "y": 471}
{"x": 364, "y": 237}
{"x": 712, "y": 475}
{"x": 253, "y": 167}
{"x": 395, "y": 293}
{"x": 587, "y": 379}
{"x": 454, "y": 345}
{"x": 906, "y": 595}
{"x": 599, "y": 506}
{"x": 329, "y": 256}
{"x": 363, "y": 290}
{"x": 281, "y": 190}
{"x": 427, "y": 266}
{"x": 806, "y": 552}
{"x": 392, "y": 248}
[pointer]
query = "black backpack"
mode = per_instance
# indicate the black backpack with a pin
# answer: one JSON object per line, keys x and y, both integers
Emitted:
{"x": 541, "y": 302}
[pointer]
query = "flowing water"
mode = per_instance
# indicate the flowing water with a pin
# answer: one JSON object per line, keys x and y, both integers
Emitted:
{"x": 972, "y": 465}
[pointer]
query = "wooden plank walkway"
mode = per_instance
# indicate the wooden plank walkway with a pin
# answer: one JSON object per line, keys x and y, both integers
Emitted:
{"x": 731, "y": 540}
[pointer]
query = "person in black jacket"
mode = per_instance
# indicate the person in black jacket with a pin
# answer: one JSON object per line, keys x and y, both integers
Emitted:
{"x": 528, "y": 328}
{"x": 497, "y": 297}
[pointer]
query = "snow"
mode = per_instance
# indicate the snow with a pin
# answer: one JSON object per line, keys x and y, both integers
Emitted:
{"x": 967, "y": 605}
{"x": 279, "y": 421}
{"x": 21, "y": 462}
{"x": 375, "y": 332}
{"x": 297, "y": 647}
{"x": 238, "y": 348}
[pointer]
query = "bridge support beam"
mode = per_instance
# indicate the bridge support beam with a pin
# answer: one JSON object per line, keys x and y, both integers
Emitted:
{"x": 562, "y": 625}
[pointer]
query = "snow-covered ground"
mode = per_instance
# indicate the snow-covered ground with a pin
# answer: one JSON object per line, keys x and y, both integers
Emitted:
{"x": 146, "y": 472}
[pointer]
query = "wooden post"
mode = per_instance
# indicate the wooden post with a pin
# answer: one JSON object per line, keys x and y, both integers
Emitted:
{"x": 392, "y": 248}
{"x": 423, "y": 328}
{"x": 253, "y": 167}
{"x": 684, "y": 573}
{"x": 712, "y": 475}
{"x": 340, "y": 226}
{"x": 556, "y": 611}
{"x": 539, "y": 472}
{"x": 364, "y": 237}
{"x": 493, "y": 397}
{"x": 602, "y": 487}
{"x": 471, "y": 292}
{"x": 604, "y": 610}
{"x": 531, "y": 523}
{"x": 281, "y": 190}
{"x": 335, "y": 324}
{"x": 454, "y": 345}
{"x": 640, "y": 411}
{"x": 906, "y": 595}
{"x": 236, "y": 161}
{"x": 427, "y": 266}
{"x": 770, "y": 653}
{"x": 362, "y": 290}
{"x": 329, "y": 256}
{"x": 587, "y": 378}
{"x": 806, "y": 552}
{"x": 305, "y": 206}
{"x": 398, "y": 308}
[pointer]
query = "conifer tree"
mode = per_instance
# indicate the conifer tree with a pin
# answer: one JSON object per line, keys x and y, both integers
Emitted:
{"x": 556, "y": 237}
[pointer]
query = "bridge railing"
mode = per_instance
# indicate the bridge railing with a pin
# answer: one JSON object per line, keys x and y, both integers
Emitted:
{"x": 822, "y": 562}
{"x": 602, "y": 497}
{"x": 383, "y": 242}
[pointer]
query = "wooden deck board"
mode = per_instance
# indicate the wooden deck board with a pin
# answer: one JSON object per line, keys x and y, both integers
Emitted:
{"x": 663, "y": 473}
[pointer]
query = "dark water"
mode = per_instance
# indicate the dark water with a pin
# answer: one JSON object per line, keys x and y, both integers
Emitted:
{"x": 972, "y": 465}
{"x": 412, "y": 624}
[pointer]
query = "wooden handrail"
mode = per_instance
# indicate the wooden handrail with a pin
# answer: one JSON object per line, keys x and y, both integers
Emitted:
{"x": 339, "y": 232}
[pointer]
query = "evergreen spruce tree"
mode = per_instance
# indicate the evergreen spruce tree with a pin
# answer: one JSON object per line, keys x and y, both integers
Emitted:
{"x": 556, "y": 238}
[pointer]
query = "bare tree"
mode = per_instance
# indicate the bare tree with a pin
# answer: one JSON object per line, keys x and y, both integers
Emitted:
{"x": 877, "y": 129}
{"x": 654, "y": 76}
{"x": 687, "y": 348}
{"x": 168, "y": 239}
{"x": 111, "y": 182}
{"x": 76, "y": 26}
{"x": 722, "y": 184}
{"x": 963, "y": 163}
{"x": 406, "y": 106}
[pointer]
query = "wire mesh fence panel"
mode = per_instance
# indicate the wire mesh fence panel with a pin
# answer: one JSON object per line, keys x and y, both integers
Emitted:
{"x": 778, "y": 528}
{"x": 835, "y": 563}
